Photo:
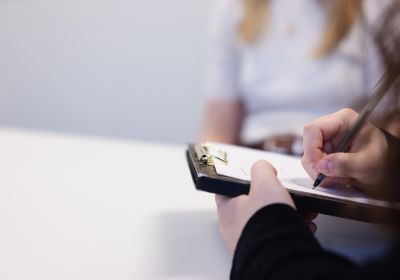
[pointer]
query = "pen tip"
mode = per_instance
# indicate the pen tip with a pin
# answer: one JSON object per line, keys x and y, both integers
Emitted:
{"x": 316, "y": 183}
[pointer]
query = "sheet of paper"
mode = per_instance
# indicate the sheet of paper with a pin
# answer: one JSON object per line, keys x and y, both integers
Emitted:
{"x": 290, "y": 172}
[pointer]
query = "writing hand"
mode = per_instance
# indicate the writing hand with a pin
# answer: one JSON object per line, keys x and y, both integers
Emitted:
{"x": 362, "y": 166}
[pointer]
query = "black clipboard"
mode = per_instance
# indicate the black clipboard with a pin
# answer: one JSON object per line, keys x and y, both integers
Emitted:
{"x": 206, "y": 179}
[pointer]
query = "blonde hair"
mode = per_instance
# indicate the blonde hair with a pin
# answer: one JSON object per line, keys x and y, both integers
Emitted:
{"x": 340, "y": 16}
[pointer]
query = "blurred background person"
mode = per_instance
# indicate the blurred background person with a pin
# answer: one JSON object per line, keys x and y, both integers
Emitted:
{"x": 275, "y": 65}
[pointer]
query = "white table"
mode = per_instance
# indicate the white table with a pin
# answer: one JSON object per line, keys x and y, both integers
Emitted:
{"x": 81, "y": 207}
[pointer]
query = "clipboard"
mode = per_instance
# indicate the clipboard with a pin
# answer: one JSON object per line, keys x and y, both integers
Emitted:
{"x": 200, "y": 159}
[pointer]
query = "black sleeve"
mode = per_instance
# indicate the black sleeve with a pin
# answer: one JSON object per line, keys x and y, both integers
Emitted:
{"x": 277, "y": 244}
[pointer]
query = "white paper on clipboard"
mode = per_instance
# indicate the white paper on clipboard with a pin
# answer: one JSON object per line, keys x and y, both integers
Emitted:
{"x": 290, "y": 173}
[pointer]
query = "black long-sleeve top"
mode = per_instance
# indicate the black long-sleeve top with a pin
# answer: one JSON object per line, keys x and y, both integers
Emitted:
{"x": 277, "y": 244}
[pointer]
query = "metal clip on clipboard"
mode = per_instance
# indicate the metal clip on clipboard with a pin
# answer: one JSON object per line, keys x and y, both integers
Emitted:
{"x": 207, "y": 153}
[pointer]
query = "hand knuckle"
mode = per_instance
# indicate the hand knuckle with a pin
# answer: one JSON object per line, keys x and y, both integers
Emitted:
{"x": 307, "y": 128}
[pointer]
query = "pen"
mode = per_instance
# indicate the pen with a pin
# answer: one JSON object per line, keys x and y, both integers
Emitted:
{"x": 383, "y": 85}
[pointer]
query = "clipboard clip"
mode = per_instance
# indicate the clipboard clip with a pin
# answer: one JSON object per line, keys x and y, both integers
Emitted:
{"x": 207, "y": 153}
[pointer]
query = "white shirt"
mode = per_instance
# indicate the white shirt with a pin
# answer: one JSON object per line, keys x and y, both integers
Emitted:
{"x": 280, "y": 82}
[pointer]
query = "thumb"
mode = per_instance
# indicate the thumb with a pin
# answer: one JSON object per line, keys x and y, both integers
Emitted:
{"x": 262, "y": 174}
{"x": 337, "y": 165}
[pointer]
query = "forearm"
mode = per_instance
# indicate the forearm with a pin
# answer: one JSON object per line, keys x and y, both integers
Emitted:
{"x": 222, "y": 122}
{"x": 210, "y": 135}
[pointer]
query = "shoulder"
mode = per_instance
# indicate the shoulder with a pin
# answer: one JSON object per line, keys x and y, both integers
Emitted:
{"x": 224, "y": 19}
{"x": 226, "y": 12}
{"x": 224, "y": 5}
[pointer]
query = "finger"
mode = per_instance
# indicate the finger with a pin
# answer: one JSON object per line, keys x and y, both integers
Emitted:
{"x": 326, "y": 129}
{"x": 312, "y": 226}
{"x": 330, "y": 182}
{"x": 312, "y": 145}
{"x": 339, "y": 165}
{"x": 262, "y": 174}
{"x": 220, "y": 200}
{"x": 310, "y": 167}
{"x": 308, "y": 216}
{"x": 336, "y": 123}
{"x": 312, "y": 216}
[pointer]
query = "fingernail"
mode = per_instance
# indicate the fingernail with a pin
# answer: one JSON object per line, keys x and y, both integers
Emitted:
{"x": 325, "y": 166}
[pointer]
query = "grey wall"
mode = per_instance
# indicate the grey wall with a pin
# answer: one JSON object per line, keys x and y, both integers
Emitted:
{"x": 119, "y": 68}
